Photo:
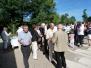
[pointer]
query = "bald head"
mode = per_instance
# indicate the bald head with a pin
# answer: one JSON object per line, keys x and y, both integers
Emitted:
{"x": 60, "y": 26}
{"x": 43, "y": 25}
{"x": 52, "y": 25}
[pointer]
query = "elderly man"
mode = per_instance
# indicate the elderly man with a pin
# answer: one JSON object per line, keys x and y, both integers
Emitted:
{"x": 49, "y": 36}
{"x": 42, "y": 31}
{"x": 61, "y": 42}
{"x": 6, "y": 39}
{"x": 24, "y": 38}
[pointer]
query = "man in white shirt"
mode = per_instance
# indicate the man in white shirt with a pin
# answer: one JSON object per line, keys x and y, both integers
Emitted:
{"x": 80, "y": 32}
{"x": 67, "y": 29}
{"x": 49, "y": 36}
{"x": 20, "y": 29}
{"x": 6, "y": 39}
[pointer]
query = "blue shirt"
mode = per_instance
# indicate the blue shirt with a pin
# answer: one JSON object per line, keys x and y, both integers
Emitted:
{"x": 25, "y": 38}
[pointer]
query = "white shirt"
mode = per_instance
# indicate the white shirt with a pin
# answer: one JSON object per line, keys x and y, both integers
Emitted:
{"x": 72, "y": 26}
{"x": 68, "y": 28}
{"x": 80, "y": 30}
{"x": 55, "y": 28}
{"x": 64, "y": 27}
{"x": 45, "y": 30}
{"x": 7, "y": 34}
{"x": 38, "y": 32}
{"x": 49, "y": 33}
{"x": 20, "y": 29}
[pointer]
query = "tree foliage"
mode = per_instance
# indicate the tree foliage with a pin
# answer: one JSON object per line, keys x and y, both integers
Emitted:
{"x": 65, "y": 19}
{"x": 84, "y": 16}
{"x": 89, "y": 19}
{"x": 12, "y": 10}
{"x": 42, "y": 10}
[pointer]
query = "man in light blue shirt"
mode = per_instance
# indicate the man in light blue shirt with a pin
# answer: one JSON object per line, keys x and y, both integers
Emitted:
{"x": 24, "y": 39}
{"x": 25, "y": 36}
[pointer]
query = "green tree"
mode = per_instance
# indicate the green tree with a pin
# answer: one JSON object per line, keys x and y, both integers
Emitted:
{"x": 56, "y": 19}
{"x": 42, "y": 10}
{"x": 15, "y": 8}
{"x": 84, "y": 16}
{"x": 89, "y": 19}
{"x": 72, "y": 20}
{"x": 62, "y": 19}
{"x": 3, "y": 17}
{"x": 11, "y": 11}
{"x": 65, "y": 19}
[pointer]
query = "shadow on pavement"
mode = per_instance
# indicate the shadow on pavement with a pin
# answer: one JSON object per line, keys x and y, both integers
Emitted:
{"x": 7, "y": 58}
{"x": 53, "y": 61}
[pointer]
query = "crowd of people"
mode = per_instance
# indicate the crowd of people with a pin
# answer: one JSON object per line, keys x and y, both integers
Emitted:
{"x": 77, "y": 32}
{"x": 52, "y": 39}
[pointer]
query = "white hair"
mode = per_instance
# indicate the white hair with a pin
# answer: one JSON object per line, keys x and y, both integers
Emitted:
{"x": 43, "y": 24}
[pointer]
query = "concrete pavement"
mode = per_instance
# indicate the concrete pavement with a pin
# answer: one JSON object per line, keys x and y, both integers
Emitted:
{"x": 75, "y": 58}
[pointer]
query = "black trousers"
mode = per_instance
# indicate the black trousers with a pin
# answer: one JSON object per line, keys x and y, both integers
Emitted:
{"x": 44, "y": 45}
{"x": 80, "y": 39}
{"x": 60, "y": 58}
{"x": 26, "y": 54}
{"x": 76, "y": 39}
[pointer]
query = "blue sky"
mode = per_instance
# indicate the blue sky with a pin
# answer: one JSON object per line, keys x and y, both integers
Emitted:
{"x": 73, "y": 7}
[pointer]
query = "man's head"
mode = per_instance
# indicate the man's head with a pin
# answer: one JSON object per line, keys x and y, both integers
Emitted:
{"x": 34, "y": 27}
{"x": 25, "y": 28}
{"x": 89, "y": 24}
{"x": 60, "y": 26}
{"x": 52, "y": 26}
{"x": 43, "y": 25}
{"x": 5, "y": 28}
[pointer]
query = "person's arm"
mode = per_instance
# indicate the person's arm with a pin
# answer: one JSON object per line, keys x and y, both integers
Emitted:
{"x": 20, "y": 39}
{"x": 38, "y": 36}
{"x": 54, "y": 38}
{"x": 69, "y": 36}
{"x": 8, "y": 34}
{"x": 47, "y": 35}
{"x": 30, "y": 37}
{"x": 66, "y": 38}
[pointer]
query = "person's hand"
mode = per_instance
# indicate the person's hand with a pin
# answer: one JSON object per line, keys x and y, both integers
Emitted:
{"x": 50, "y": 40}
{"x": 10, "y": 33}
{"x": 41, "y": 35}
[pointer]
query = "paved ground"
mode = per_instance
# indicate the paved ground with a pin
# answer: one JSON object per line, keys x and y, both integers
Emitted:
{"x": 75, "y": 58}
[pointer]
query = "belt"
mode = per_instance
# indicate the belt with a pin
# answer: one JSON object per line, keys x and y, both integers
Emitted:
{"x": 25, "y": 45}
